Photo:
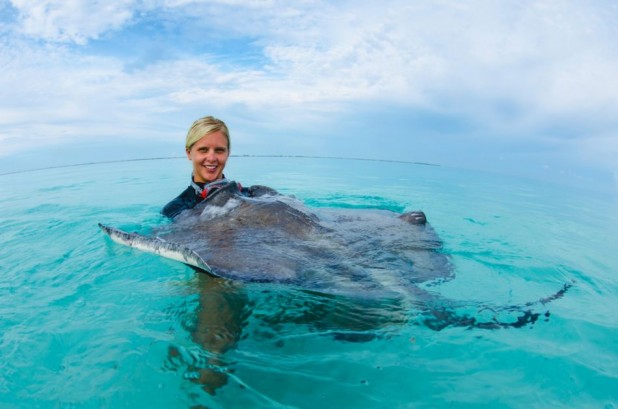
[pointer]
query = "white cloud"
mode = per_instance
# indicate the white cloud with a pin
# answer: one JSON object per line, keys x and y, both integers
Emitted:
{"x": 72, "y": 20}
{"x": 511, "y": 68}
{"x": 537, "y": 60}
{"x": 238, "y": 3}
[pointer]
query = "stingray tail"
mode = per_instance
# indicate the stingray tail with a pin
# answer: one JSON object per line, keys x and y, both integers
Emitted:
{"x": 440, "y": 318}
{"x": 157, "y": 246}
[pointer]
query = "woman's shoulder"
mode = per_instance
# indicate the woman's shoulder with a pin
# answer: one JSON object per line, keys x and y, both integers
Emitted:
{"x": 187, "y": 199}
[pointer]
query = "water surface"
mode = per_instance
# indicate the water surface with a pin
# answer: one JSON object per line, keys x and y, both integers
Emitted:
{"x": 90, "y": 324}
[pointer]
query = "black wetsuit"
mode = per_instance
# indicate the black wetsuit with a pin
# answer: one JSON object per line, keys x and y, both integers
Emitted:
{"x": 188, "y": 199}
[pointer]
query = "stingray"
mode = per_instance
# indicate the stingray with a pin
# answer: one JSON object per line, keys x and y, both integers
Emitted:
{"x": 365, "y": 254}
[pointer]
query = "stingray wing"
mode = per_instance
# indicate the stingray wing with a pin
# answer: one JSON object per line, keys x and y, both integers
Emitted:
{"x": 173, "y": 251}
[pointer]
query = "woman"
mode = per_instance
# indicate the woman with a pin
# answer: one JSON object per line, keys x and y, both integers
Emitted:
{"x": 208, "y": 147}
{"x": 220, "y": 316}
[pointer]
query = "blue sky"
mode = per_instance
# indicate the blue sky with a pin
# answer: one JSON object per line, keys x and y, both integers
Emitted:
{"x": 523, "y": 87}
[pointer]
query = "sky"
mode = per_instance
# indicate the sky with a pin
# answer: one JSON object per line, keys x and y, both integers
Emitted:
{"x": 514, "y": 86}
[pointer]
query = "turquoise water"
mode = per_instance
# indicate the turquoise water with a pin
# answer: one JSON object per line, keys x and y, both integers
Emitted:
{"x": 86, "y": 323}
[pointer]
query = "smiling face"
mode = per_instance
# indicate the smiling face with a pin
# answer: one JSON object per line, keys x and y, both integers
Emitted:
{"x": 209, "y": 155}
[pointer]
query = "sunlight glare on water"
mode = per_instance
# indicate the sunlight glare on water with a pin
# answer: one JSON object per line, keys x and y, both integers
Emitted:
{"x": 87, "y": 323}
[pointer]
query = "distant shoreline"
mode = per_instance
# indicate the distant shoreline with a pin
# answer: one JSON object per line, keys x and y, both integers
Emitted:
{"x": 236, "y": 156}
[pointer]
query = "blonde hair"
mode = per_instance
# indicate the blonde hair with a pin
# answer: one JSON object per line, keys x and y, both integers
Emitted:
{"x": 205, "y": 126}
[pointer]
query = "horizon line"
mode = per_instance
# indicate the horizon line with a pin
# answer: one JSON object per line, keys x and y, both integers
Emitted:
{"x": 231, "y": 155}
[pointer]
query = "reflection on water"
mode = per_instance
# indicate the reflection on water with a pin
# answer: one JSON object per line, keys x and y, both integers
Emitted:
{"x": 228, "y": 311}
{"x": 224, "y": 308}
{"x": 216, "y": 326}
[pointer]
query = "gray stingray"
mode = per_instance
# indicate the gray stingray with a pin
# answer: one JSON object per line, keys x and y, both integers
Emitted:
{"x": 269, "y": 237}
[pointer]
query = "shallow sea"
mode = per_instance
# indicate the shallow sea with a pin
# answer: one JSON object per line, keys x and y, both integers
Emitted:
{"x": 86, "y": 323}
